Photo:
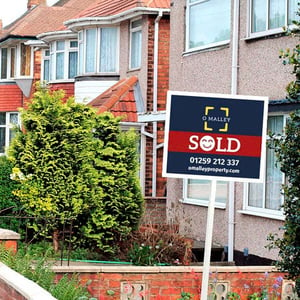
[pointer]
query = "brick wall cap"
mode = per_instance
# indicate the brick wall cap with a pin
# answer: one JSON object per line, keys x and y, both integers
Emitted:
{"x": 6, "y": 234}
{"x": 27, "y": 288}
{"x": 121, "y": 269}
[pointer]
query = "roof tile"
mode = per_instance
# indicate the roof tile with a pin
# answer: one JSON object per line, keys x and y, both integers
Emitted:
{"x": 119, "y": 100}
{"x": 113, "y": 7}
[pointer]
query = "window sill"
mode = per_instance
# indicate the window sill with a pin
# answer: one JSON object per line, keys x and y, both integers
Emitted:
{"x": 262, "y": 215}
{"x": 208, "y": 48}
{"x": 265, "y": 34}
{"x": 61, "y": 81}
{"x": 202, "y": 203}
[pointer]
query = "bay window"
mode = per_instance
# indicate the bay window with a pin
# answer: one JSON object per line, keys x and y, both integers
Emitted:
{"x": 98, "y": 50}
{"x": 271, "y": 15}
{"x": 208, "y": 23}
{"x": 197, "y": 191}
{"x": 266, "y": 198}
{"x": 8, "y": 121}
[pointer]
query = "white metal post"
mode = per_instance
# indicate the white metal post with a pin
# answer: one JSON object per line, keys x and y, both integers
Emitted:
{"x": 208, "y": 239}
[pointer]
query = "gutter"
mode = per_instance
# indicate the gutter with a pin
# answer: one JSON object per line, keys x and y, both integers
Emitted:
{"x": 234, "y": 81}
{"x": 77, "y": 24}
{"x": 155, "y": 84}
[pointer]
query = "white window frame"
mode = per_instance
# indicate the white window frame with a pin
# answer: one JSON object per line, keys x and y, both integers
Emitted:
{"x": 82, "y": 52}
{"x": 53, "y": 55}
{"x": 45, "y": 57}
{"x": 187, "y": 30}
{"x": 17, "y": 63}
{"x": 8, "y": 126}
{"x": 132, "y": 31}
{"x": 264, "y": 212}
{"x": 267, "y": 31}
{"x": 202, "y": 202}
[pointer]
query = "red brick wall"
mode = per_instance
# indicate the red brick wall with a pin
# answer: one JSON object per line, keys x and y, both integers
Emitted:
{"x": 162, "y": 88}
{"x": 164, "y": 284}
{"x": 155, "y": 211}
{"x": 9, "y": 293}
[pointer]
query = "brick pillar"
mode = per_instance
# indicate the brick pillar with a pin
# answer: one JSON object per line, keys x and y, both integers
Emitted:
{"x": 10, "y": 239}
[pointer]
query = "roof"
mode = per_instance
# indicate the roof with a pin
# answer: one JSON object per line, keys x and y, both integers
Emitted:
{"x": 105, "y": 8}
{"x": 43, "y": 18}
{"x": 119, "y": 100}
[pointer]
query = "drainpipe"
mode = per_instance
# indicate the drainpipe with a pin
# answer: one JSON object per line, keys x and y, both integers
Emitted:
{"x": 155, "y": 83}
{"x": 234, "y": 70}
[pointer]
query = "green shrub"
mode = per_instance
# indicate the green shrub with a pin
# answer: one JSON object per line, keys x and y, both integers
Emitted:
{"x": 38, "y": 269}
{"x": 9, "y": 204}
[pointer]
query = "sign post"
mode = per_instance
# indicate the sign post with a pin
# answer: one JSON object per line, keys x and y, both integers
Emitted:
{"x": 217, "y": 137}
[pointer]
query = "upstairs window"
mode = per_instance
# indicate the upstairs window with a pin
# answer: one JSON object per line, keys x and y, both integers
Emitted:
{"x": 25, "y": 66}
{"x": 135, "y": 44}
{"x": 8, "y": 123}
{"x": 63, "y": 60}
{"x": 46, "y": 65}
{"x": 98, "y": 50}
{"x": 8, "y": 63}
{"x": 269, "y": 16}
{"x": 208, "y": 23}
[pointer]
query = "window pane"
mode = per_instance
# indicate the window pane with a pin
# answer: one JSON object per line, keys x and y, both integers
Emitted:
{"x": 2, "y": 140}
{"x": 2, "y": 118}
{"x": 13, "y": 118}
{"x": 136, "y": 49}
{"x": 277, "y": 13}
{"x": 292, "y": 12}
{"x": 271, "y": 198}
{"x": 80, "y": 60}
{"x": 60, "y": 65}
{"x": 25, "y": 60}
{"x": 108, "y": 51}
{"x": 46, "y": 75}
{"x": 90, "y": 49}
{"x": 203, "y": 27}
{"x": 73, "y": 44}
{"x": 60, "y": 45}
{"x": 200, "y": 190}
{"x": 4, "y": 63}
{"x": 12, "y": 62}
{"x": 259, "y": 14}
{"x": 72, "y": 64}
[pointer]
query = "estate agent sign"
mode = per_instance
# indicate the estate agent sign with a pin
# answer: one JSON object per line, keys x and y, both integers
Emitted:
{"x": 215, "y": 136}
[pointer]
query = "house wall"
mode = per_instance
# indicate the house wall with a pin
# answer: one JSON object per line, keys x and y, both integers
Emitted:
{"x": 260, "y": 73}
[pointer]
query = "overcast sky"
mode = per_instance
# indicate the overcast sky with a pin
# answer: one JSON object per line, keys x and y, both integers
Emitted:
{"x": 12, "y": 9}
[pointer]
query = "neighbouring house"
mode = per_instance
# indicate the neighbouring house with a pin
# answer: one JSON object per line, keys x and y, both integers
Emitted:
{"x": 20, "y": 58}
{"x": 232, "y": 47}
{"x": 111, "y": 54}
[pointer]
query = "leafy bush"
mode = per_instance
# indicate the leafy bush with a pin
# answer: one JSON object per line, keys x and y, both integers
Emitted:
{"x": 9, "y": 204}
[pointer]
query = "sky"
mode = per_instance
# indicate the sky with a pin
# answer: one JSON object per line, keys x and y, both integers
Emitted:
{"x": 12, "y": 9}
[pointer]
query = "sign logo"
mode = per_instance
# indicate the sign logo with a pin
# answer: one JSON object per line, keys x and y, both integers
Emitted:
{"x": 227, "y": 143}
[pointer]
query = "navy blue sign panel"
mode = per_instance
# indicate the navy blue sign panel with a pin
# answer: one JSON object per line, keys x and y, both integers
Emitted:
{"x": 215, "y": 136}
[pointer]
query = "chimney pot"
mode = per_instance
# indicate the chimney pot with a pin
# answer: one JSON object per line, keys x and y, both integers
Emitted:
{"x": 32, "y": 3}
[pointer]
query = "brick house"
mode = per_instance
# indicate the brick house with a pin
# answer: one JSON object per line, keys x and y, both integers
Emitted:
{"x": 113, "y": 55}
{"x": 238, "y": 54}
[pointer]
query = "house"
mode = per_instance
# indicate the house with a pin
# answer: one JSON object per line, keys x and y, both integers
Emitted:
{"x": 20, "y": 57}
{"x": 110, "y": 54}
{"x": 232, "y": 47}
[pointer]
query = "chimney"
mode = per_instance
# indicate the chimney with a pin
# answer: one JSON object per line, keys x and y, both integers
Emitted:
{"x": 33, "y": 3}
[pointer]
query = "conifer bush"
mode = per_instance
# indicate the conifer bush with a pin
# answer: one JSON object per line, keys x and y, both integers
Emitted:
{"x": 76, "y": 167}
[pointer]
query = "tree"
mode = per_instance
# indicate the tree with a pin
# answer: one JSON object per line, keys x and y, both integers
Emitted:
{"x": 287, "y": 149}
{"x": 74, "y": 165}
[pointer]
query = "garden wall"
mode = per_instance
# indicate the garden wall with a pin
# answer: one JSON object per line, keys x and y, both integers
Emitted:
{"x": 168, "y": 282}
